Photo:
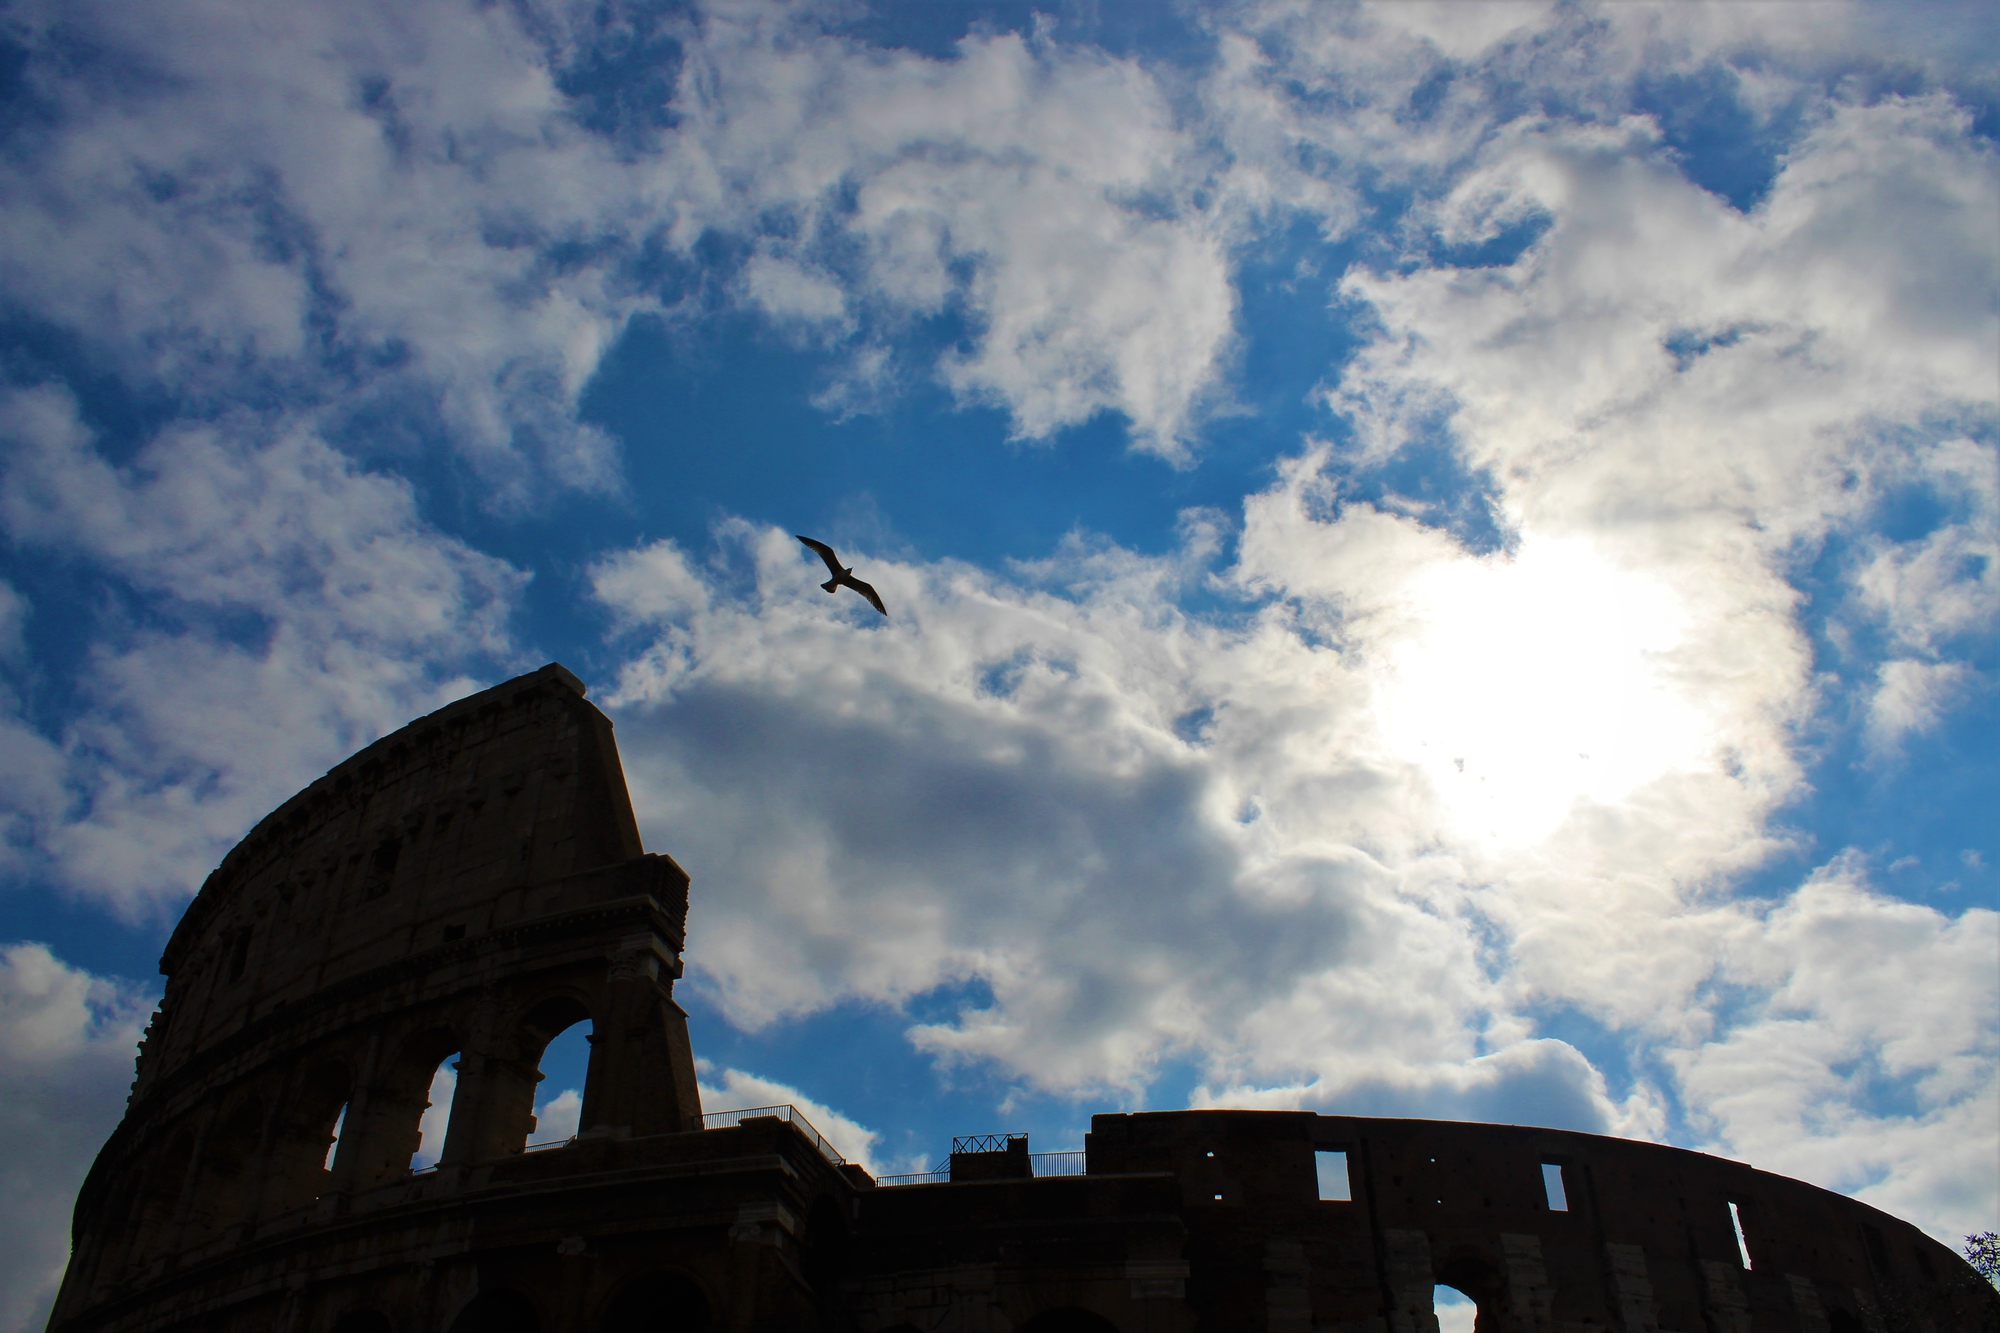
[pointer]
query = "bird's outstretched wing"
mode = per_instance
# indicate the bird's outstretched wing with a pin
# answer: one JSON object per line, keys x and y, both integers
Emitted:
{"x": 826, "y": 554}
{"x": 874, "y": 598}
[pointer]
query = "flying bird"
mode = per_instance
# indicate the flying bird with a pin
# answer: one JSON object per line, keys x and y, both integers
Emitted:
{"x": 843, "y": 578}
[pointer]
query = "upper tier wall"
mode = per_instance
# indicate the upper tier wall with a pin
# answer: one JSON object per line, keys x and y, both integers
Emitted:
{"x": 433, "y": 833}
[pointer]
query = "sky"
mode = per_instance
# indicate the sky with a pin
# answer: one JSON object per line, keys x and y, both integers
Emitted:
{"x": 1442, "y": 560}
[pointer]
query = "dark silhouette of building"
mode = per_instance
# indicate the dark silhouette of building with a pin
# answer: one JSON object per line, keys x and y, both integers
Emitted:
{"x": 474, "y": 884}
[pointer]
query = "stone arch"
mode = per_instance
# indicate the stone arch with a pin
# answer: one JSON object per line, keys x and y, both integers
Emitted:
{"x": 663, "y": 1301}
{"x": 509, "y": 1078}
{"x": 1479, "y": 1281}
{"x": 384, "y": 1131}
{"x": 304, "y": 1132}
{"x": 497, "y": 1312}
{"x": 1069, "y": 1319}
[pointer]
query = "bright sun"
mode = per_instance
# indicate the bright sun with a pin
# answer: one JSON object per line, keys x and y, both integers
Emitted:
{"x": 1525, "y": 685}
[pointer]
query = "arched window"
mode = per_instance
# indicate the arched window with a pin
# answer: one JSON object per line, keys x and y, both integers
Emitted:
{"x": 564, "y": 1070}
{"x": 1456, "y": 1312}
{"x": 657, "y": 1303}
{"x": 401, "y": 1126}
{"x": 512, "y": 1078}
{"x": 1468, "y": 1286}
{"x": 434, "y": 1120}
{"x": 497, "y": 1312}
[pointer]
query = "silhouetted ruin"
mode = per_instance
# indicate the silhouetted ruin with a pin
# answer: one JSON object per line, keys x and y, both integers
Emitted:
{"x": 474, "y": 884}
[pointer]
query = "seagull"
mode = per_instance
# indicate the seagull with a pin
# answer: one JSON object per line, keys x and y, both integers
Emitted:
{"x": 843, "y": 577}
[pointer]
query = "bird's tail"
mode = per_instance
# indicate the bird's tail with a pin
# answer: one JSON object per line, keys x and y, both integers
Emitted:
{"x": 831, "y": 585}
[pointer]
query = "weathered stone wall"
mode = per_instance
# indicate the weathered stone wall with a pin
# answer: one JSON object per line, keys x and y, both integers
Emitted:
{"x": 1647, "y": 1241}
{"x": 469, "y": 886}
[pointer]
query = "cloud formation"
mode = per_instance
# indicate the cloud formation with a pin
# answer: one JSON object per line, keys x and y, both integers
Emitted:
{"x": 1326, "y": 802}
{"x": 269, "y": 607}
{"x": 67, "y": 1041}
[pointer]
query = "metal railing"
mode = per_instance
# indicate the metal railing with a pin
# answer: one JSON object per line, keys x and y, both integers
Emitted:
{"x": 984, "y": 1142}
{"x": 1042, "y": 1164}
{"x": 788, "y": 1112}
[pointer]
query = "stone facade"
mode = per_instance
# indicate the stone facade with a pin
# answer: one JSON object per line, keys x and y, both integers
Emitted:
{"x": 474, "y": 884}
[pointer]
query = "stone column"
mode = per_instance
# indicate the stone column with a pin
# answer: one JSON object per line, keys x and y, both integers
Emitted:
{"x": 1530, "y": 1298}
{"x": 1632, "y": 1287}
{"x": 642, "y": 1077}
{"x": 1410, "y": 1282}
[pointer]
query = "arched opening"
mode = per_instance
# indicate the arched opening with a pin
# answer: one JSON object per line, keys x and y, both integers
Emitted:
{"x": 364, "y": 1321}
{"x": 657, "y": 1303}
{"x": 434, "y": 1120}
{"x": 1467, "y": 1286}
{"x": 1068, "y": 1320}
{"x": 511, "y": 1084}
{"x": 497, "y": 1312}
{"x": 562, "y": 1073}
{"x": 227, "y": 1183}
{"x": 401, "y": 1126}
{"x": 1456, "y": 1312}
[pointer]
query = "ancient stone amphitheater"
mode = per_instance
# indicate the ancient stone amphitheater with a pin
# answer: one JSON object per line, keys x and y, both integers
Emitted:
{"x": 474, "y": 884}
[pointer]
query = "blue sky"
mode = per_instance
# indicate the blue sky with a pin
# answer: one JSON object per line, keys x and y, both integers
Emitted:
{"x": 1442, "y": 560}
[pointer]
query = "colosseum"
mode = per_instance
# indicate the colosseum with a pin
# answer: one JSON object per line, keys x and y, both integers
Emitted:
{"x": 474, "y": 884}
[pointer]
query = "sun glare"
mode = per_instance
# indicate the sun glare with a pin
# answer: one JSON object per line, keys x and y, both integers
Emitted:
{"x": 1526, "y": 685}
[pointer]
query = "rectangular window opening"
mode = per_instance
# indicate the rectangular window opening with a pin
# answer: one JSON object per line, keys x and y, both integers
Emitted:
{"x": 1552, "y": 1186}
{"x": 1742, "y": 1245}
{"x": 1331, "y": 1167}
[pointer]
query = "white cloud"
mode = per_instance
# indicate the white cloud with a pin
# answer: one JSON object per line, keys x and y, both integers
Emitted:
{"x": 1047, "y": 193}
{"x": 1862, "y": 1000}
{"x": 67, "y": 1043}
{"x": 735, "y": 1090}
{"x": 1340, "y": 846}
{"x": 1002, "y": 787}
{"x": 14, "y": 611}
{"x": 1912, "y": 698}
{"x": 194, "y": 728}
{"x": 789, "y": 291}
{"x": 558, "y": 1117}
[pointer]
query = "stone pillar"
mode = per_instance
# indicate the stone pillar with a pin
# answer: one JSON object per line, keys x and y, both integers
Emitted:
{"x": 1632, "y": 1288}
{"x": 1723, "y": 1301}
{"x": 1412, "y": 1308}
{"x": 1530, "y": 1299}
{"x": 348, "y": 1174}
{"x": 759, "y": 1228}
{"x": 1805, "y": 1299}
{"x": 1287, "y": 1298}
{"x": 641, "y": 1077}
{"x": 493, "y": 1108}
